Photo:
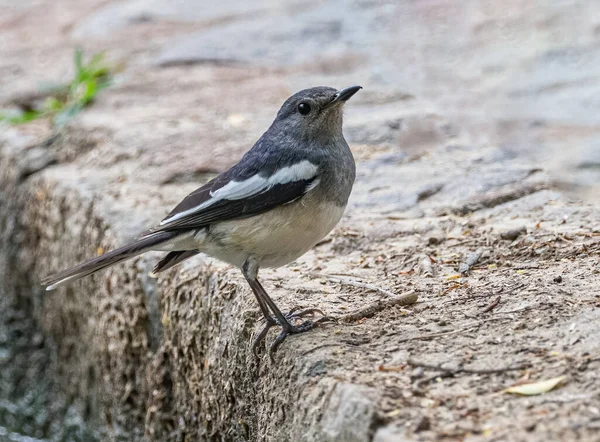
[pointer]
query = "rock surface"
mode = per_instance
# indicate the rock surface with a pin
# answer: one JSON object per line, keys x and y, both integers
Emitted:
{"x": 476, "y": 119}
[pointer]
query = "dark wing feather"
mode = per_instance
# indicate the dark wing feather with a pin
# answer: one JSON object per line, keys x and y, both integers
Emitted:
{"x": 223, "y": 210}
{"x": 201, "y": 194}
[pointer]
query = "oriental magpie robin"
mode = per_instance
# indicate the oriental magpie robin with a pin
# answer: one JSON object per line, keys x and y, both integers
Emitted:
{"x": 277, "y": 202}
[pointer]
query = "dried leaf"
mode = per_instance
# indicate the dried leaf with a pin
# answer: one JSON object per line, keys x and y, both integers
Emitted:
{"x": 453, "y": 277}
{"x": 393, "y": 413}
{"x": 536, "y": 387}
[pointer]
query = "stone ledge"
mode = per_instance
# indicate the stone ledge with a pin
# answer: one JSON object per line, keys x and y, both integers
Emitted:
{"x": 171, "y": 358}
{"x": 136, "y": 354}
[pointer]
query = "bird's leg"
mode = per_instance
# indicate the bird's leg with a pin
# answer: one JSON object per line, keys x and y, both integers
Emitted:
{"x": 269, "y": 322}
{"x": 263, "y": 307}
{"x": 250, "y": 271}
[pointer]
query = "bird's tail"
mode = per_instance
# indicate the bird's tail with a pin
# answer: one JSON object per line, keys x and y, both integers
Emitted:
{"x": 90, "y": 266}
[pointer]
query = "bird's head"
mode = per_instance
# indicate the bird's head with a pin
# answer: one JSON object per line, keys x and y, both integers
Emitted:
{"x": 314, "y": 113}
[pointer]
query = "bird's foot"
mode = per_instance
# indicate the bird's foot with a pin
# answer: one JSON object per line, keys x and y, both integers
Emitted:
{"x": 294, "y": 329}
{"x": 287, "y": 328}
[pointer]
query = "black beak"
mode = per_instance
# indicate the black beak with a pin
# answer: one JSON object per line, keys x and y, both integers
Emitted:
{"x": 345, "y": 94}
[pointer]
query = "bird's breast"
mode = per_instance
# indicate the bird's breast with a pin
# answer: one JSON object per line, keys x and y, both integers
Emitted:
{"x": 280, "y": 235}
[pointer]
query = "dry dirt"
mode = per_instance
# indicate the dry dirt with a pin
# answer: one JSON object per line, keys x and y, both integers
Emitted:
{"x": 462, "y": 148}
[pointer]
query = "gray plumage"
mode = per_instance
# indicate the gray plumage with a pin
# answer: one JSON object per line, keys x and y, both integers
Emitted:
{"x": 277, "y": 202}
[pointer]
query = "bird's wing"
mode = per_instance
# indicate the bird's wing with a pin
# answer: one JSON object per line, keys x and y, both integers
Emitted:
{"x": 234, "y": 195}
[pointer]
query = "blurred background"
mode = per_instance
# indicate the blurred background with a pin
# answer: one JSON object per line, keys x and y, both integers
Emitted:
{"x": 139, "y": 101}
{"x": 520, "y": 75}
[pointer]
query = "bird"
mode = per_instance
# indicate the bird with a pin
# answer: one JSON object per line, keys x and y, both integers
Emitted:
{"x": 284, "y": 196}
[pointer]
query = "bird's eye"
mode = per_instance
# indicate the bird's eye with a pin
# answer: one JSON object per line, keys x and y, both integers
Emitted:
{"x": 304, "y": 108}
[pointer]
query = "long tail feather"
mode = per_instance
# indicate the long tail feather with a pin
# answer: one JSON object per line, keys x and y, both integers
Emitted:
{"x": 86, "y": 268}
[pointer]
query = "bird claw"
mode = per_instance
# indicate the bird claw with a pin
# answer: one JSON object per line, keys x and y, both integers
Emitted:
{"x": 285, "y": 332}
{"x": 287, "y": 328}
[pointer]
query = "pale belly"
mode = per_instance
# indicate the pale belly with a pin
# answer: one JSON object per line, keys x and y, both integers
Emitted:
{"x": 275, "y": 238}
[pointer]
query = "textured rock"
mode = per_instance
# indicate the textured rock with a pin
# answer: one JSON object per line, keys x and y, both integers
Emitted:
{"x": 135, "y": 356}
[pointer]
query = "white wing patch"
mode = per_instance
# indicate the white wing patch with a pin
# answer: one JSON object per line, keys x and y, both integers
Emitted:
{"x": 237, "y": 190}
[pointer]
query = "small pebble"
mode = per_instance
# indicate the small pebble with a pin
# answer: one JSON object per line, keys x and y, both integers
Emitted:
{"x": 530, "y": 427}
{"x": 434, "y": 240}
{"x": 417, "y": 373}
{"x": 513, "y": 234}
